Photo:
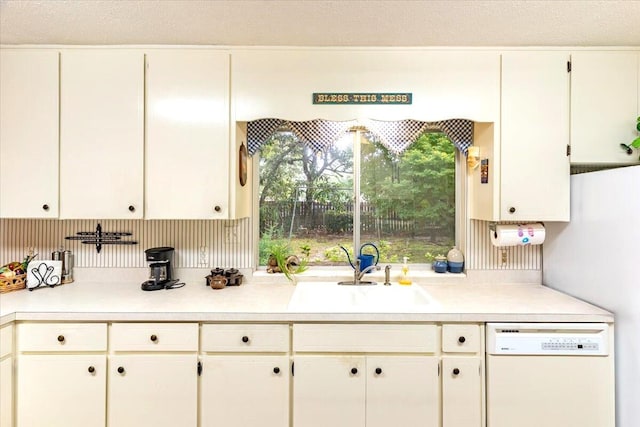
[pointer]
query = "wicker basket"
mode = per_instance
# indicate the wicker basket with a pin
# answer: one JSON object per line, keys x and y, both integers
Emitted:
{"x": 17, "y": 282}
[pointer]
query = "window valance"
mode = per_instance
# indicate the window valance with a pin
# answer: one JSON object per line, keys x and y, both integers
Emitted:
{"x": 396, "y": 136}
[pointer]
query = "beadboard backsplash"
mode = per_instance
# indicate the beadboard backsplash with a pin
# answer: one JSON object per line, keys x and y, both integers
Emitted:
{"x": 198, "y": 244}
{"x": 203, "y": 244}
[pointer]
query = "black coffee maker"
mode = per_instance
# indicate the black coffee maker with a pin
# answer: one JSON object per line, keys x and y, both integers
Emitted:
{"x": 160, "y": 268}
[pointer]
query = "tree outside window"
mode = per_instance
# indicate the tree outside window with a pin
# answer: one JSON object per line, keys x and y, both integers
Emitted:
{"x": 406, "y": 204}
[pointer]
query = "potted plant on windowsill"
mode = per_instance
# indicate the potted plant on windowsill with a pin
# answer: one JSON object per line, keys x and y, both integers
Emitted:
{"x": 281, "y": 260}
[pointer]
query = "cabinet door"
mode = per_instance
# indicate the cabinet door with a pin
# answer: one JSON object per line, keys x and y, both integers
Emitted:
{"x": 604, "y": 106}
{"x": 244, "y": 391}
{"x": 153, "y": 390}
{"x": 329, "y": 391}
{"x": 29, "y": 133}
{"x": 461, "y": 392}
{"x": 535, "y": 133}
{"x": 101, "y": 134}
{"x": 187, "y": 149}
{"x": 402, "y": 391}
{"x": 6, "y": 392}
{"x": 61, "y": 390}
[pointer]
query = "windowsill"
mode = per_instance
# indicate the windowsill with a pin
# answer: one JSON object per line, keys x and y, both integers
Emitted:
{"x": 420, "y": 274}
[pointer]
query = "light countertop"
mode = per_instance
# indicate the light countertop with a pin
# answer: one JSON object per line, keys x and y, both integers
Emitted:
{"x": 123, "y": 300}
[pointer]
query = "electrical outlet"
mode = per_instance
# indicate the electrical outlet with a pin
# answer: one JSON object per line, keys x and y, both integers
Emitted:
{"x": 504, "y": 256}
{"x": 231, "y": 236}
{"x": 203, "y": 256}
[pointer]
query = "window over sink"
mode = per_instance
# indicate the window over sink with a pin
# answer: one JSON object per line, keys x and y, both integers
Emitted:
{"x": 316, "y": 196}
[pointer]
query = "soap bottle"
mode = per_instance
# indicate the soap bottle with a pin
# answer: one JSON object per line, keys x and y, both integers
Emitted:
{"x": 404, "y": 278}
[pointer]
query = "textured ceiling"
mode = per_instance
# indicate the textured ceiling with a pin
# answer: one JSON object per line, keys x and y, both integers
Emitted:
{"x": 322, "y": 23}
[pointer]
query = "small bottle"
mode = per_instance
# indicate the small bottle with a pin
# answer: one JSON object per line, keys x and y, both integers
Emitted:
{"x": 404, "y": 278}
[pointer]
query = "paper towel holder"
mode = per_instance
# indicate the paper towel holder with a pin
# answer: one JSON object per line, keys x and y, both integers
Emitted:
{"x": 493, "y": 224}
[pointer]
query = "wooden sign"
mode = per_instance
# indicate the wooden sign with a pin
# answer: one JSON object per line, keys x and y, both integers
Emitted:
{"x": 401, "y": 98}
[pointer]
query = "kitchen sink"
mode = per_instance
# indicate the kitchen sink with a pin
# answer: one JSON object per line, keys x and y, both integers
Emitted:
{"x": 325, "y": 297}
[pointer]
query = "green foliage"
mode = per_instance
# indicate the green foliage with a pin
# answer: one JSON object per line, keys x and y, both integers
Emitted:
{"x": 281, "y": 250}
{"x": 268, "y": 239}
{"x": 306, "y": 250}
{"x": 337, "y": 255}
{"x": 338, "y": 222}
{"x": 419, "y": 185}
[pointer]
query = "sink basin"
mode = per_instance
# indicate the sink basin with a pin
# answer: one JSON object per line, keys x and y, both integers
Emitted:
{"x": 323, "y": 297}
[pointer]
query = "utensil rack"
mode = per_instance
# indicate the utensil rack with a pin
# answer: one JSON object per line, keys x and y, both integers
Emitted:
{"x": 100, "y": 238}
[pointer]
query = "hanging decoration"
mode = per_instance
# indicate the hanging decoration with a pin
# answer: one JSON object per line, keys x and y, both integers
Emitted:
{"x": 396, "y": 136}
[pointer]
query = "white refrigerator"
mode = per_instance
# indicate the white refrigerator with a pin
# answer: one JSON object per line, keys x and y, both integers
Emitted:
{"x": 596, "y": 257}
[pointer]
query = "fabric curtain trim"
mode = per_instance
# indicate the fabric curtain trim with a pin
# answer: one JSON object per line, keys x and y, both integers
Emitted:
{"x": 396, "y": 136}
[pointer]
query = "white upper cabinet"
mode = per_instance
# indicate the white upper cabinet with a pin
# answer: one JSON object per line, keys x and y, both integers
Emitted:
{"x": 526, "y": 172}
{"x": 605, "y": 97}
{"x": 101, "y": 133}
{"x": 28, "y": 133}
{"x": 444, "y": 84}
{"x": 188, "y": 146}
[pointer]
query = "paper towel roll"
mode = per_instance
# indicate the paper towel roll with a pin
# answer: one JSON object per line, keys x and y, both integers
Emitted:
{"x": 518, "y": 234}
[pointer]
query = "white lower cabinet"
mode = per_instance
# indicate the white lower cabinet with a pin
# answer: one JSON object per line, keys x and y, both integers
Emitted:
{"x": 6, "y": 376}
{"x": 245, "y": 375}
{"x": 244, "y": 391}
{"x": 61, "y": 390}
{"x": 329, "y": 391}
{"x": 373, "y": 375}
{"x": 402, "y": 391}
{"x": 152, "y": 390}
{"x": 153, "y": 375}
{"x": 6, "y": 392}
{"x": 461, "y": 392}
{"x": 375, "y": 391}
{"x": 61, "y": 374}
{"x": 462, "y": 375}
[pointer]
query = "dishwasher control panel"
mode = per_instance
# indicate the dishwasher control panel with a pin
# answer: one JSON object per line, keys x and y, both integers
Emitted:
{"x": 575, "y": 339}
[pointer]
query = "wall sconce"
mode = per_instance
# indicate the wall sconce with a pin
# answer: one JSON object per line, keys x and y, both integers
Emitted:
{"x": 473, "y": 157}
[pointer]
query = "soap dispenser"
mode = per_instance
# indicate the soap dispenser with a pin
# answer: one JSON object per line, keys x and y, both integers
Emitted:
{"x": 404, "y": 278}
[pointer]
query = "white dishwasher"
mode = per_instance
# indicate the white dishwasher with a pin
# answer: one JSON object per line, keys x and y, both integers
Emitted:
{"x": 550, "y": 375}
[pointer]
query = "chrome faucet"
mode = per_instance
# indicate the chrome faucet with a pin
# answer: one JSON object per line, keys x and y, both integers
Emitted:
{"x": 357, "y": 274}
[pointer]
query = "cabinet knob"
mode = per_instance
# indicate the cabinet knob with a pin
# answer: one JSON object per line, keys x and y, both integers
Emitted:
{"x": 154, "y": 338}
{"x": 132, "y": 208}
{"x": 354, "y": 371}
{"x": 217, "y": 209}
{"x": 91, "y": 369}
{"x": 378, "y": 371}
{"x": 45, "y": 207}
{"x": 456, "y": 371}
{"x": 120, "y": 370}
{"x": 512, "y": 210}
{"x": 245, "y": 339}
{"x": 61, "y": 338}
{"x": 276, "y": 370}
{"x": 461, "y": 340}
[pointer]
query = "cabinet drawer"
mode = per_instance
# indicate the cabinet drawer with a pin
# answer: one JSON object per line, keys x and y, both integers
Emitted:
{"x": 245, "y": 338}
{"x": 364, "y": 338}
{"x": 153, "y": 337}
{"x": 460, "y": 338}
{"x": 6, "y": 340}
{"x": 48, "y": 337}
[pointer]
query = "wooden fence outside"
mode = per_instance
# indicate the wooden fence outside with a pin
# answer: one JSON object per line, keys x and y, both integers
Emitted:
{"x": 300, "y": 217}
